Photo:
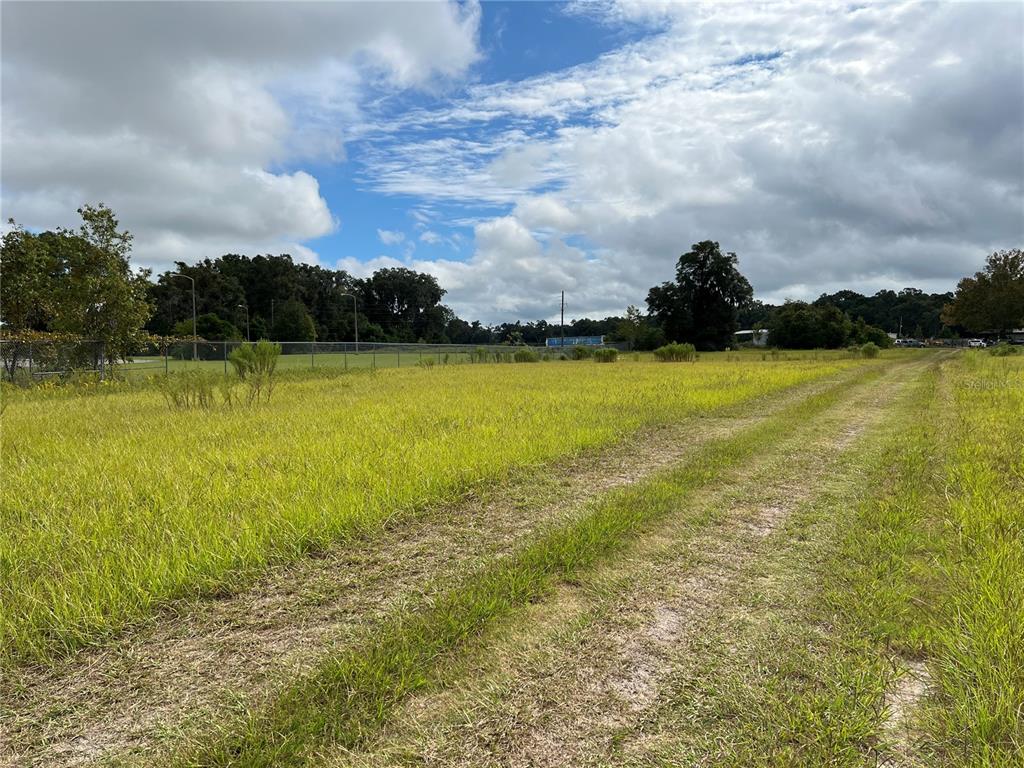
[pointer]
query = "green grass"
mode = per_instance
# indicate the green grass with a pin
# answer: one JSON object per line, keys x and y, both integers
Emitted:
{"x": 976, "y": 627}
{"x": 349, "y": 695}
{"x": 920, "y": 560}
{"x": 113, "y": 504}
{"x": 149, "y": 366}
{"x": 934, "y": 567}
{"x": 412, "y": 355}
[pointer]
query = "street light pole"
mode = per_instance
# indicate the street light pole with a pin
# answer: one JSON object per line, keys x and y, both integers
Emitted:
{"x": 195, "y": 329}
{"x": 246, "y": 308}
{"x": 355, "y": 317}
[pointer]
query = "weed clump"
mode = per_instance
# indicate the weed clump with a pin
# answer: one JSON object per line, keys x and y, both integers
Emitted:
{"x": 676, "y": 353}
{"x": 1002, "y": 349}
{"x": 526, "y": 355}
{"x": 869, "y": 349}
{"x": 255, "y": 365}
{"x": 606, "y": 355}
{"x": 188, "y": 390}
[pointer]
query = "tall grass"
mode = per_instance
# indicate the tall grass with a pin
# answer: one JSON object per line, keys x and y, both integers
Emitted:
{"x": 351, "y": 693}
{"x": 112, "y": 505}
{"x": 933, "y": 568}
{"x": 976, "y": 716}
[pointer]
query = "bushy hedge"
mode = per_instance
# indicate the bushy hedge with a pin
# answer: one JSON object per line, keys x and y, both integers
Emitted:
{"x": 606, "y": 355}
{"x": 870, "y": 349}
{"x": 676, "y": 353}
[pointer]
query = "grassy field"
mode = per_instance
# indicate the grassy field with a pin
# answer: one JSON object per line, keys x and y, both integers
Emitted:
{"x": 807, "y": 561}
{"x": 412, "y": 355}
{"x": 114, "y": 504}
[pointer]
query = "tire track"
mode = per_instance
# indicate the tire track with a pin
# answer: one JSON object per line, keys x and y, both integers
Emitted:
{"x": 587, "y": 677}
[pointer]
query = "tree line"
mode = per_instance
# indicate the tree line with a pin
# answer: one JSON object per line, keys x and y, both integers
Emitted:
{"x": 710, "y": 299}
{"x": 80, "y": 283}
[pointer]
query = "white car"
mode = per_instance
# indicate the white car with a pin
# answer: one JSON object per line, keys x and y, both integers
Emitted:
{"x": 975, "y": 343}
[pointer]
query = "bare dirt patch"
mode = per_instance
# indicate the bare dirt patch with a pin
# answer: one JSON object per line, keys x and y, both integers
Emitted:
{"x": 200, "y": 659}
{"x": 901, "y": 700}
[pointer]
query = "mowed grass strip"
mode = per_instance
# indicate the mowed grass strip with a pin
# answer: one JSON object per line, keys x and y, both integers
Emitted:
{"x": 112, "y": 505}
{"x": 797, "y": 673}
{"x": 350, "y": 695}
{"x": 925, "y": 569}
{"x": 933, "y": 568}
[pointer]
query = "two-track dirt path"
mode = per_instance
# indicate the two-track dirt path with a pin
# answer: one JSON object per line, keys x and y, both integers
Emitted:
{"x": 197, "y": 661}
{"x": 580, "y": 679}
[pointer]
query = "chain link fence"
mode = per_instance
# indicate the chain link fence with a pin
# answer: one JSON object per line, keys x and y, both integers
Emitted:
{"x": 38, "y": 360}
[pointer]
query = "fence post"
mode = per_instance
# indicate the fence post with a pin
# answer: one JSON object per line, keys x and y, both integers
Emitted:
{"x": 30, "y": 360}
{"x": 312, "y": 353}
{"x": 344, "y": 355}
{"x": 373, "y": 361}
{"x": 103, "y": 359}
{"x": 167, "y": 357}
{"x": 398, "y": 352}
{"x": 225, "y": 357}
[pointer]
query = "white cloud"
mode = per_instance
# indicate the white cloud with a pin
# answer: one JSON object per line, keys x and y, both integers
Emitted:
{"x": 830, "y": 146}
{"x": 430, "y": 237}
{"x": 388, "y": 237}
{"x": 180, "y": 116}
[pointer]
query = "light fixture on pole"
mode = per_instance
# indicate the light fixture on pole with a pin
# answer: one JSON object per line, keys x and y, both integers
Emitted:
{"x": 195, "y": 329}
{"x": 355, "y": 317}
{"x": 246, "y": 308}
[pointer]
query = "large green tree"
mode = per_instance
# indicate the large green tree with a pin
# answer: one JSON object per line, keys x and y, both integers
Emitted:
{"x": 27, "y": 266}
{"x": 702, "y": 305}
{"x": 76, "y": 282}
{"x": 992, "y": 300}
{"x": 799, "y": 325}
{"x": 292, "y": 322}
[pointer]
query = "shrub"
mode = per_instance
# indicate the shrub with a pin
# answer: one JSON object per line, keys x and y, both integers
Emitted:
{"x": 255, "y": 364}
{"x": 870, "y": 349}
{"x": 606, "y": 355}
{"x": 188, "y": 389}
{"x": 1002, "y": 349}
{"x": 526, "y": 355}
{"x": 581, "y": 353}
{"x": 426, "y": 362}
{"x": 676, "y": 353}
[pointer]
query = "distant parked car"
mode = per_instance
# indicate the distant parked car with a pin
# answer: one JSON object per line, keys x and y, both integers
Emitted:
{"x": 975, "y": 343}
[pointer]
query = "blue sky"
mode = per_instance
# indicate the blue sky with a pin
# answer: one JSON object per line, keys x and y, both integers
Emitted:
{"x": 517, "y": 41}
{"x": 515, "y": 150}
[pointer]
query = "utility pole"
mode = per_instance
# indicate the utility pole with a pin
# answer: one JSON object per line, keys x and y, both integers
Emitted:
{"x": 562, "y": 325}
{"x": 195, "y": 329}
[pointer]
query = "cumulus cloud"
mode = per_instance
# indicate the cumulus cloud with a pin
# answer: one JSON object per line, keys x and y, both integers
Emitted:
{"x": 181, "y": 116}
{"x": 829, "y": 146}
